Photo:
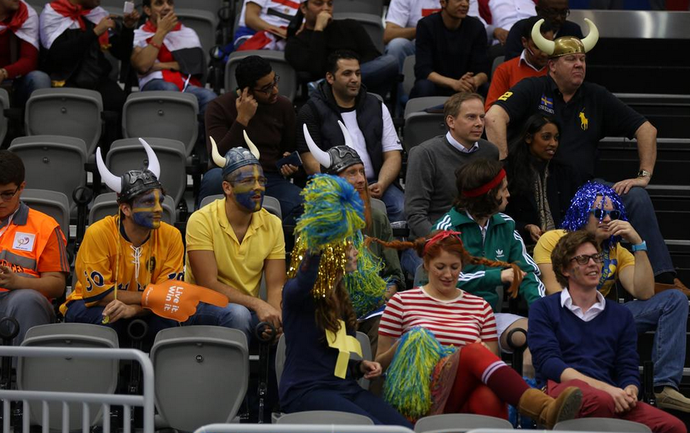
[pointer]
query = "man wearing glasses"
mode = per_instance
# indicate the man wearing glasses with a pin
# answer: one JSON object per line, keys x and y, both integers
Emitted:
{"x": 553, "y": 11}
{"x": 269, "y": 119}
{"x": 597, "y": 209}
{"x": 33, "y": 259}
{"x": 579, "y": 338}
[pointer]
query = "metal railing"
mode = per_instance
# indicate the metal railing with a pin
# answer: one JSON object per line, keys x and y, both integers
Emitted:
{"x": 300, "y": 428}
{"x": 146, "y": 401}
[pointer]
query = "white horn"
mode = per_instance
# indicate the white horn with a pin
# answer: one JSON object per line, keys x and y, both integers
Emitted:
{"x": 592, "y": 37}
{"x": 319, "y": 155}
{"x": 540, "y": 41}
{"x": 113, "y": 182}
{"x": 252, "y": 147}
{"x": 346, "y": 135}
{"x": 154, "y": 166}
{"x": 217, "y": 159}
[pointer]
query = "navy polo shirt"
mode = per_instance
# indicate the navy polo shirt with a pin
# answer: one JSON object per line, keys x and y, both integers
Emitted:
{"x": 591, "y": 114}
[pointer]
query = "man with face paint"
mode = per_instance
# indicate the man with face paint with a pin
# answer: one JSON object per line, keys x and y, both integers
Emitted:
{"x": 232, "y": 242}
{"x": 122, "y": 254}
{"x": 597, "y": 209}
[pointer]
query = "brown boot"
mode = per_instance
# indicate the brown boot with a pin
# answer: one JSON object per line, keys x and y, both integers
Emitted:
{"x": 677, "y": 284}
{"x": 547, "y": 411}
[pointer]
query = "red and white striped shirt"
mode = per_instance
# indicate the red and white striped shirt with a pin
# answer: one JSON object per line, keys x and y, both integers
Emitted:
{"x": 457, "y": 322}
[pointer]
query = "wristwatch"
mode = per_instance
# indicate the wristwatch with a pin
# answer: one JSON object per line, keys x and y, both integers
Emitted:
{"x": 644, "y": 173}
{"x": 640, "y": 247}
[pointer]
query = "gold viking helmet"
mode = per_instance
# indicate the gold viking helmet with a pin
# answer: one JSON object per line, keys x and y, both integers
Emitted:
{"x": 566, "y": 44}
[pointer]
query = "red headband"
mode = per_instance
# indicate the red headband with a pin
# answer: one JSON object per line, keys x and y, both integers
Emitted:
{"x": 486, "y": 187}
{"x": 439, "y": 237}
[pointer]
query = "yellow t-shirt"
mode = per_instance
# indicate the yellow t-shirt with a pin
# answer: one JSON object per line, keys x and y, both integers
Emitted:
{"x": 239, "y": 265}
{"x": 106, "y": 258}
{"x": 619, "y": 259}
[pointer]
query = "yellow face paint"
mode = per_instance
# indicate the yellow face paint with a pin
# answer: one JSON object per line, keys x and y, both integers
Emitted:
{"x": 147, "y": 209}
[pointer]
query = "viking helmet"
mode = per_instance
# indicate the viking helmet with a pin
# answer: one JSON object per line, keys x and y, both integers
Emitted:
{"x": 236, "y": 157}
{"x": 134, "y": 182}
{"x": 565, "y": 44}
{"x": 337, "y": 158}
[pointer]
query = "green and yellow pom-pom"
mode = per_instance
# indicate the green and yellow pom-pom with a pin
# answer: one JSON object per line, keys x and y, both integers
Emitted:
{"x": 365, "y": 285}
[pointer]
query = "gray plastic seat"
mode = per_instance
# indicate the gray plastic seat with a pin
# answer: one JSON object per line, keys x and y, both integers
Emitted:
{"x": 202, "y": 375}
{"x": 372, "y": 7}
{"x": 458, "y": 422}
{"x": 380, "y": 205}
{"x": 106, "y": 204}
{"x": 372, "y": 23}
{"x": 53, "y": 203}
{"x": 162, "y": 114}
{"x": 288, "y": 77}
{"x": 68, "y": 374}
{"x": 52, "y": 162}
{"x": 203, "y": 22}
{"x": 602, "y": 425}
{"x": 420, "y": 104}
{"x": 210, "y": 199}
{"x": 324, "y": 417}
{"x": 497, "y": 62}
{"x": 421, "y": 126}
{"x": 128, "y": 154}
{"x": 408, "y": 72}
{"x": 4, "y": 103}
{"x": 66, "y": 111}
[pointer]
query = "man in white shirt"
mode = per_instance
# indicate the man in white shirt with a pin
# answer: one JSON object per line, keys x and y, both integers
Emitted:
{"x": 343, "y": 97}
{"x": 270, "y": 16}
{"x": 505, "y": 13}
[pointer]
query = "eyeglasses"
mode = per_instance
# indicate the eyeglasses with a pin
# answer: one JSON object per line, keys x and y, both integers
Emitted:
{"x": 7, "y": 195}
{"x": 584, "y": 259}
{"x": 268, "y": 88}
{"x": 250, "y": 181}
{"x": 601, "y": 213}
{"x": 555, "y": 12}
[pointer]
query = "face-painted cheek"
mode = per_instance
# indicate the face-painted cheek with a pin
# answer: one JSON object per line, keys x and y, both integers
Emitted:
{"x": 146, "y": 210}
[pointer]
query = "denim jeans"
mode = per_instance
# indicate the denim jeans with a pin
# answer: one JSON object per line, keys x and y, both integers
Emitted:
{"x": 666, "y": 313}
{"x": 24, "y": 86}
{"x": 410, "y": 261}
{"x": 400, "y": 48}
{"x": 232, "y": 316}
{"x": 380, "y": 74}
{"x": 640, "y": 211}
{"x": 28, "y": 307}
{"x": 395, "y": 202}
{"x": 203, "y": 95}
{"x": 286, "y": 192}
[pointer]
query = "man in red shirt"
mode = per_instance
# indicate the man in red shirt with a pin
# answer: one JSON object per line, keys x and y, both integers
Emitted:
{"x": 19, "y": 49}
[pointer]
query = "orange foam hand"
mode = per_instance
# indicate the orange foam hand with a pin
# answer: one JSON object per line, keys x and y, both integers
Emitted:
{"x": 177, "y": 300}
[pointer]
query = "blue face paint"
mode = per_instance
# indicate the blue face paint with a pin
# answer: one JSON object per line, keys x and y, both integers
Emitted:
{"x": 249, "y": 187}
{"x": 147, "y": 210}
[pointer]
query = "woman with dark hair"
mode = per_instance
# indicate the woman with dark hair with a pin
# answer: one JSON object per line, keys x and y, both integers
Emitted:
{"x": 540, "y": 188}
{"x": 439, "y": 345}
{"x": 330, "y": 267}
{"x": 487, "y": 232}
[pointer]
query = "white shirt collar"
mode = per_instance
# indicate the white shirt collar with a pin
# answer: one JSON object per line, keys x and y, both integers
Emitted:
{"x": 591, "y": 313}
{"x": 523, "y": 58}
{"x": 453, "y": 142}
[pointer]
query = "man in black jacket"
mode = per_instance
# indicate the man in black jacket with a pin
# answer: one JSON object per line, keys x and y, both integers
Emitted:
{"x": 342, "y": 97}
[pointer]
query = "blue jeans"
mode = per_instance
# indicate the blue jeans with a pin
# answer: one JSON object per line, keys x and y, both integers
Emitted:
{"x": 640, "y": 211}
{"x": 24, "y": 86}
{"x": 232, "y": 316}
{"x": 203, "y": 95}
{"x": 380, "y": 74}
{"x": 410, "y": 261}
{"x": 348, "y": 397}
{"x": 395, "y": 202}
{"x": 28, "y": 307}
{"x": 667, "y": 314}
{"x": 400, "y": 48}
{"x": 286, "y": 192}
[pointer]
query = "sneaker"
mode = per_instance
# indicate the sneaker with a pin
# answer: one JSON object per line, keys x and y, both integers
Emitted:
{"x": 670, "y": 398}
{"x": 677, "y": 284}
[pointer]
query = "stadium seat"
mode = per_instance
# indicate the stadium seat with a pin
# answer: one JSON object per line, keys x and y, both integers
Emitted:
{"x": 53, "y": 203}
{"x": 288, "y": 76}
{"x": 98, "y": 376}
{"x": 372, "y": 23}
{"x": 372, "y": 7}
{"x": 459, "y": 422}
{"x": 128, "y": 153}
{"x": 66, "y": 111}
{"x": 202, "y": 375}
{"x": 52, "y": 162}
{"x": 408, "y": 72}
{"x": 4, "y": 104}
{"x": 379, "y": 204}
{"x": 497, "y": 62}
{"x": 162, "y": 114}
{"x": 420, "y": 104}
{"x": 601, "y": 425}
{"x": 324, "y": 417}
{"x": 106, "y": 204}
{"x": 420, "y": 125}
{"x": 210, "y": 198}
{"x": 203, "y": 22}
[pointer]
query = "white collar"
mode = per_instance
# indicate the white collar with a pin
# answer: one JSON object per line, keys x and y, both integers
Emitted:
{"x": 523, "y": 59}
{"x": 453, "y": 142}
{"x": 591, "y": 313}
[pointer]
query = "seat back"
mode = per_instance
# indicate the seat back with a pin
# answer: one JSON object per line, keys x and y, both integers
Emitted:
{"x": 202, "y": 374}
{"x": 210, "y": 198}
{"x": 53, "y": 203}
{"x": 421, "y": 126}
{"x": 106, "y": 204}
{"x": 97, "y": 376}
{"x": 272, "y": 205}
{"x": 420, "y": 104}
{"x": 128, "y": 153}
{"x": 163, "y": 114}
{"x": 408, "y": 72}
{"x": 65, "y": 111}
{"x": 602, "y": 425}
{"x": 497, "y": 61}
{"x": 372, "y": 24}
{"x": 324, "y": 417}
{"x": 288, "y": 76}
{"x": 4, "y": 103}
{"x": 380, "y": 205}
{"x": 52, "y": 162}
{"x": 372, "y": 7}
{"x": 459, "y": 422}
{"x": 203, "y": 22}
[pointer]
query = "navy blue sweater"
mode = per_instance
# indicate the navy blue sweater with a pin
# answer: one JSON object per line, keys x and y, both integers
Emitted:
{"x": 604, "y": 348}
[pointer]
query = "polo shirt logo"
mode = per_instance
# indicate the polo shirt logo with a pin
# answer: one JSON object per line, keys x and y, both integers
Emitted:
{"x": 23, "y": 241}
{"x": 584, "y": 121}
{"x": 546, "y": 104}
